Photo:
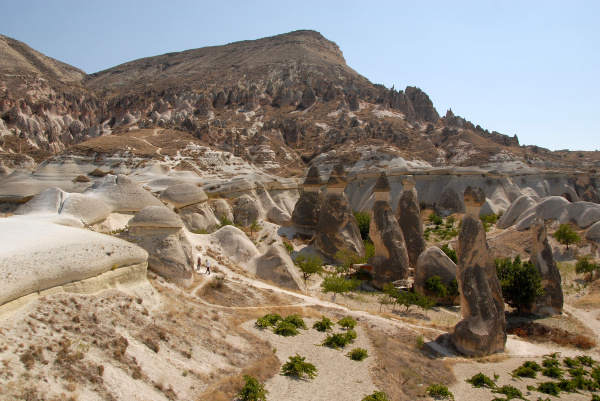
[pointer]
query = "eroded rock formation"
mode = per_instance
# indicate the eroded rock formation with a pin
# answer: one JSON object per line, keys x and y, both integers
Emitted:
{"x": 337, "y": 229}
{"x": 551, "y": 303}
{"x": 408, "y": 215}
{"x": 390, "y": 262}
{"x": 170, "y": 252}
{"x": 483, "y": 328}
{"x": 305, "y": 216}
{"x": 434, "y": 262}
{"x": 194, "y": 211}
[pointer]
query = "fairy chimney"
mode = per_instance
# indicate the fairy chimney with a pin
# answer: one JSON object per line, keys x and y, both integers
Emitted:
{"x": 305, "y": 216}
{"x": 408, "y": 215}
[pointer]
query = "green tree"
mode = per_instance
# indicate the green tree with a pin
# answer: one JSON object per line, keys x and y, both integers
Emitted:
{"x": 521, "y": 282}
{"x": 585, "y": 264}
{"x": 436, "y": 287}
{"x": 410, "y": 298}
{"x": 435, "y": 219}
{"x": 453, "y": 290}
{"x": 309, "y": 264}
{"x": 364, "y": 223}
{"x": 565, "y": 235}
{"x": 297, "y": 367}
{"x": 253, "y": 390}
{"x": 347, "y": 258}
{"x": 339, "y": 285}
{"x": 255, "y": 226}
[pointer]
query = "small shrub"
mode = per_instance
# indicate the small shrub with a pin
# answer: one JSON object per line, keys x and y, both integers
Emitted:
{"x": 523, "y": 371}
{"x": 268, "y": 320}
{"x": 595, "y": 397}
{"x": 286, "y": 329}
{"x": 376, "y": 396}
{"x": 253, "y": 390}
{"x": 553, "y": 371}
{"x": 439, "y": 390}
{"x": 324, "y": 324}
{"x": 296, "y": 320}
{"x": 550, "y": 388}
{"x": 420, "y": 341}
{"x": 288, "y": 247}
{"x": 451, "y": 253}
{"x": 347, "y": 323}
{"x": 481, "y": 380}
{"x": 339, "y": 340}
{"x": 550, "y": 362}
{"x": 217, "y": 281}
{"x": 357, "y": 354}
{"x": 297, "y": 367}
{"x": 586, "y": 360}
{"x": 509, "y": 391}
{"x": 571, "y": 362}
{"x": 435, "y": 219}
{"x": 436, "y": 287}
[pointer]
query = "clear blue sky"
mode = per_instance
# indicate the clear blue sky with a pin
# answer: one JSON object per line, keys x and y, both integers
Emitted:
{"x": 529, "y": 68}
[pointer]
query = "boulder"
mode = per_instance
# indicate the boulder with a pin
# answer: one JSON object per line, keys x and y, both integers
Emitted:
{"x": 551, "y": 303}
{"x": 434, "y": 262}
{"x": 408, "y": 215}
{"x": 46, "y": 202}
{"x": 337, "y": 229}
{"x": 593, "y": 233}
{"x": 160, "y": 232}
{"x": 245, "y": 211}
{"x": 38, "y": 256}
{"x": 276, "y": 266}
{"x": 306, "y": 212}
{"x": 198, "y": 216}
{"x": 121, "y": 194}
{"x": 390, "y": 262}
{"x": 449, "y": 202}
{"x": 483, "y": 328}
{"x": 514, "y": 211}
{"x": 221, "y": 209}
{"x": 235, "y": 244}
{"x": 183, "y": 195}
{"x": 274, "y": 213}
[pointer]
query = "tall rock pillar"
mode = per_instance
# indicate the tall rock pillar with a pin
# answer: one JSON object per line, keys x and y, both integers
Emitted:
{"x": 483, "y": 328}
{"x": 551, "y": 303}
{"x": 390, "y": 262}
{"x": 408, "y": 215}
{"x": 337, "y": 228}
{"x": 305, "y": 216}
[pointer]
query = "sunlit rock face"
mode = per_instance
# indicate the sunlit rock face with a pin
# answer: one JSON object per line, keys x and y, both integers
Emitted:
{"x": 305, "y": 216}
{"x": 390, "y": 262}
{"x": 483, "y": 328}
{"x": 408, "y": 215}
{"x": 337, "y": 229}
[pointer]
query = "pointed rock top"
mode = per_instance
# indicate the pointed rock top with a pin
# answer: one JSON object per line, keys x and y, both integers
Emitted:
{"x": 313, "y": 179}
{"x": 408, "y": 183}
{"x": 382, "y": 184}
{"x": 337, "y": 178}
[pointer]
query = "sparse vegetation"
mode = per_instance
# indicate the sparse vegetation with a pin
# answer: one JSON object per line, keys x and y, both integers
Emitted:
{"x": 309, "y": 264}
{"x": 520, "y": 281}
{"x": 357, "y": 354}
{"x": 376, "y": 396}
{"x": 439, "y": 390}
{"x": 509, "y": 391}
{"x": 339, "y": 340}
{"x": 451, "y": 253}
{"x": 481, "y": 380}
{"x": 566, "y": 235}
{"x": 364, "y": 222}
{"x": 253, "y": 390}
{"x": 268, "y": 320}
{"x": 488, "y": 220}
{"x": 347, "y": 323}
{"x": 325, "y": 324}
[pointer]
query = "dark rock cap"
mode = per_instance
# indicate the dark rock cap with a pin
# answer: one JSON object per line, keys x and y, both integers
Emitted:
{"x": 382, "y": 184}
{"x": 474, "y": 196}
{"x": 313, "y": 179}
{"x": 337, "y": 178}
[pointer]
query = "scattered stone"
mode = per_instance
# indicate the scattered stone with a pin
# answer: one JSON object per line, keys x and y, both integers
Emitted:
{"x": 305, "y": 216}
{"x": 483, "y": 328}
{"x": 160, "y": 232}
{"x": 408, "y": 215}
{"x": 551, "y": 303}
{"x": 337, "y": 228}
{"x": 390, "y": 262}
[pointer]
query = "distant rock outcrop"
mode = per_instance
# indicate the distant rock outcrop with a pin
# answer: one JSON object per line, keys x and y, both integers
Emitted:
{"x": 390, "y": 262}
{"x": 337, "y": 229}
{"x": 245, "y": 211}
{"x": 483, "y": 328}
{"x": 434, "y": 262}
{"x": 551, "y": 303}
{"x": 590, "y": 195}
{"x": 221, "y": 209}
{"x": 305, "y": 216}
{"x": 170, "y": 252}
{"x": 408, "y": 215}
{"x": 191, "y": 202}
{"x": 521, "y": 204}
{"x": 121, "y": 194}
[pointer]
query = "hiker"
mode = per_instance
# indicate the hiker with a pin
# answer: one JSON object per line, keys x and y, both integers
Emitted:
{"x": 207, "y": 266}
{"x": 199, "y": 263}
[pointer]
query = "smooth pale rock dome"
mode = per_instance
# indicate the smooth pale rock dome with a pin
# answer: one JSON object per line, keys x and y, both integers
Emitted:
{"x": 515, "y": 210}
{"x": 46, "y": 202}
{"x": 121, "y": 194}
{"x": 156, "y": 216}
{"x": 183, "y": 195}
{"x": 37, "y": 256}
{"x": 235, "y": 244}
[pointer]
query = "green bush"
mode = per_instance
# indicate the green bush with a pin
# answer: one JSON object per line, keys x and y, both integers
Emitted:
{"x": 585, "y": 265}
{"x": 439, "y": 390}
{"x": 586, "y": 360}
{"x": 553, "y": 371}
{"x": 410, "y": 298}
{"x": 357, "y": 354}
{"x": 286, "y": 329}
{"x": 323, "y": 325}
{"x": 296, "y": 320}
{"x": 309, "y": 265}
{"x": 376, "y": 396}
{"x": 253, "y": 390}
{"x": 523, "y": 371}
{"x": 339, "y": 285}
{"x": 521, "y": 283}
{"x": 451, "y": 253}
{"x": 347, "y": 322}
{"x": 288, "y": 247}
{"x": 488, "y": 220}
{"x": 481, "y": 380}
{"x": 435, "y": 219}
{"x": 509, "y": 391}
{"x": 339, "y": 340}
{"x": 549, "y": 362}
{"x": 550, "y": 388}
{"x": 571, "y": 362}
{"x": 268, "y": 320}
{"x": 364, "y": 222}
{"x": 297, "y": 367}
{"x": 436, "y": 287}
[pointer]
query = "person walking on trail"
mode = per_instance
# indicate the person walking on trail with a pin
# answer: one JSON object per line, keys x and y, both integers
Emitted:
{"x": 207, "y": 266}
{"x": 199, "y": 263}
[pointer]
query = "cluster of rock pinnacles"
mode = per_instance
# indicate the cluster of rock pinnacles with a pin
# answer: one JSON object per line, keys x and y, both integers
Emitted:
{"x": 399, "y": 246}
